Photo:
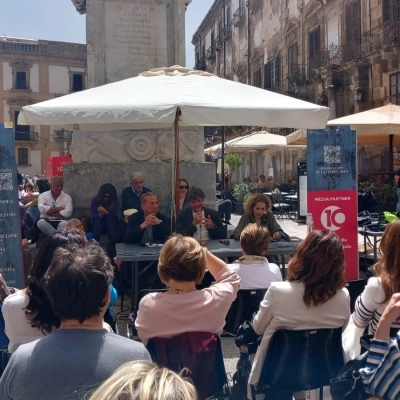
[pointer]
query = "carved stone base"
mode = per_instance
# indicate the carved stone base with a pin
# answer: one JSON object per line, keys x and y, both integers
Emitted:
{"x": 155, "y": 146}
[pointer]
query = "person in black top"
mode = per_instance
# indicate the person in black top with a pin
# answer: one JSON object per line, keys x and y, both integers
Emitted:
{"x": 131, "y": 194}
{"x": 148, "y": 225}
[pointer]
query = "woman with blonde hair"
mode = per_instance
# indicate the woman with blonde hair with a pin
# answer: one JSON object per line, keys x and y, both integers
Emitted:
{"x": 372, "y": 302}
{"x": 257, "y": 209}
{"x": 313, "y": 297}
{"x": 183, "y": 308}
{"x": 143, "y": 380}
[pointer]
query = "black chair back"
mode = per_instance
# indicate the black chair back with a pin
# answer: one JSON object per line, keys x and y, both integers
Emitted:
{"x": 245, "y": 305}
{"x": 355, "y": 288}
{"x": 214, "y": 378}
{"x": 302, "y": 359}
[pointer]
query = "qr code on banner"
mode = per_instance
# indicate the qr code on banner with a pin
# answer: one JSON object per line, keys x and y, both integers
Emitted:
{"x": 332, "y": 154}
{"x": 6, "y": 181}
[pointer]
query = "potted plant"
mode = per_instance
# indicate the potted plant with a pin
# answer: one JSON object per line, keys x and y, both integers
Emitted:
{"x": 234, "y": 161}
{"x": 241, "y": 192}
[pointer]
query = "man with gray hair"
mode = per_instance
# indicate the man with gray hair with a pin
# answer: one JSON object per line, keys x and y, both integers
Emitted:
{"x": 55, "y": 207}
{"x": 131, "y": 194}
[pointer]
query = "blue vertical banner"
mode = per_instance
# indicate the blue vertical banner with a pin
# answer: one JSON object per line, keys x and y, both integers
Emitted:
{"x": 332, "y": 187}
{"x": 11, "y": 264}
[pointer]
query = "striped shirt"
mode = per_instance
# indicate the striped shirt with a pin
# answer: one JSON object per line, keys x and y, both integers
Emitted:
{"x": 369, "y": 306}
{"x": 381, "y": 376}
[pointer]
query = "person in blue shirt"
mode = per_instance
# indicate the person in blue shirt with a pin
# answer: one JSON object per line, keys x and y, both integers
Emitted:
{"x": 105, "y": 208}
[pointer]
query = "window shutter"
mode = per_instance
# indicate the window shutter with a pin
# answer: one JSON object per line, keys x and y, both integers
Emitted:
{"x": 267, "y": 76}
{"x": 386, "y": 10}
{"x": 278, "y": 70}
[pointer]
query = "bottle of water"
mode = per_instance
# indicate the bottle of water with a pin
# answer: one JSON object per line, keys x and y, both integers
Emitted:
{"x": 310, "y": 223}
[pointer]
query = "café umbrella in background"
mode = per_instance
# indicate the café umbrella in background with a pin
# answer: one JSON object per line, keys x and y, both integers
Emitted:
{"x": 172, "y": 97}
{"x": 377, "y": 126}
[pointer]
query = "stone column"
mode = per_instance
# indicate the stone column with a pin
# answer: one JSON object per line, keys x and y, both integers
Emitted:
{"x": 127, "y": 37}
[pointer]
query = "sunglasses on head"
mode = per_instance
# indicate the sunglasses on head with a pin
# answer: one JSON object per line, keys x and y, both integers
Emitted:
{"x": 183, "y": 187}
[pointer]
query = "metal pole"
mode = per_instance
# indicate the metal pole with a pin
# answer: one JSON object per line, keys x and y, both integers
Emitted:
{"x": 223, "y": 162}
{"x": 224, "y": 12}
{"x": 391, "y": 137}
{"x": 176, "y": 123}
{"x": 248, "y": 45}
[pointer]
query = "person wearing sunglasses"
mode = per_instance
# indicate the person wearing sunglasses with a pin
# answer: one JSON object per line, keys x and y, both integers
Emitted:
{"x": 105, "y": 208}
{"x": 183, "y": 188}
{"x": 131, "y": 194}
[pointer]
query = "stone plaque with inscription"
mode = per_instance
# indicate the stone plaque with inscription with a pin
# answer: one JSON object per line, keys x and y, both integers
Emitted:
{"x": 138, "y": 32}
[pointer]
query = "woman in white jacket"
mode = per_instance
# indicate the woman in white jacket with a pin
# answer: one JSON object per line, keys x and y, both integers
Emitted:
{"x": 313, "y": 297}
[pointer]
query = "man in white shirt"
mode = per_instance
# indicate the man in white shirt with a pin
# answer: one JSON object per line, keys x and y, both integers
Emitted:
{"x": 55, "y": 207}
{"x": 253, "y": 267}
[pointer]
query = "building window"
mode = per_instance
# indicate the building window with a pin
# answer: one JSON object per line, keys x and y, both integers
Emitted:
{"x": 77, "y": 82}
{"x": 391, "y": 10}
{"x": 272, "y": 73}
{"x": 20, "y": 80}
{"x": 395, "y": 88}
{"x": 293, "y": 58}
{"x": 352, "y": 47}
{"x": 314, "y": 49}
{"x": 23, "y": 156}
{"x": 257, "y": 78}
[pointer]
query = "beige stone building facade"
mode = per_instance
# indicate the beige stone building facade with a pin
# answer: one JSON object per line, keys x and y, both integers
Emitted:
{"x": 32, "y": 71}
{"x": 339, "y": 53}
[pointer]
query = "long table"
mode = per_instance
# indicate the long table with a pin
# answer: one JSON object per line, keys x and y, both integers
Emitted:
{"x": 134, "y": 253}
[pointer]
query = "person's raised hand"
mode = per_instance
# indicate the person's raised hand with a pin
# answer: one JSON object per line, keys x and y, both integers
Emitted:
{"x": 154, "y": 220}
{"x": 392, "y": 310}
{"x": 208, "y": 223}
{"x": 198, "y": 218}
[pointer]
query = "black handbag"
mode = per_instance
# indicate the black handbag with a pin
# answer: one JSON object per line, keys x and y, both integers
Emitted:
{"x": 348, "y": 384}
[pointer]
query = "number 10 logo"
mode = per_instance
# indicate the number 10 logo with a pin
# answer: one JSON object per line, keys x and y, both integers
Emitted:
{"x": 332, "y": 218}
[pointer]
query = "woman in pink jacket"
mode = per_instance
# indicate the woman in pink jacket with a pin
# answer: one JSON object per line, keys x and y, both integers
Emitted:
{"x": 183, "y": 308}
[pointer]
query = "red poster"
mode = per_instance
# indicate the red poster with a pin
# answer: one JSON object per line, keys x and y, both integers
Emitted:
{"x": 335, "y": 210}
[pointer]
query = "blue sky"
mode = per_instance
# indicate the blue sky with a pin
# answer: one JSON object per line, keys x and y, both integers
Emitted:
{"x": 58, "y": 20}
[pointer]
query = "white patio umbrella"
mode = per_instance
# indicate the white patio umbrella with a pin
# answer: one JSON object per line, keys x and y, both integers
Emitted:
{"x": 174, "y": 96}
{"x": 298, "y": 137}
{"x": 260, "y": 140}
{"x": 374, "y": 126}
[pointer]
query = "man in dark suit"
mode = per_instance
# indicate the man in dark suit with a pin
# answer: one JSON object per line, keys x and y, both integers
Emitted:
{"x": 202, "y": 223}
{"x": 147, "y": 225}
{"x": 131, "y": 195}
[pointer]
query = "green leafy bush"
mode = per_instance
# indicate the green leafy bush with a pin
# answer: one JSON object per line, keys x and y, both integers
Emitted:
{"x": 241, "y": 192}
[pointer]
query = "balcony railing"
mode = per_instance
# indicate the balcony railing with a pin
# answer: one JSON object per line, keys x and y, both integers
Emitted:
{"x": 298, "y": 75}
{"x": 386, "y": 35}
{"x": 210, "y": 54}
{"x": 75, "y": 49}
{"x": 239, "y": 17}
{"x": 201, "y": 64}
{"x": 218, "y": 42}
{"x": 27, "y": 136}
{"x": 62, "y": 134}
{"x": 227, "y": 31}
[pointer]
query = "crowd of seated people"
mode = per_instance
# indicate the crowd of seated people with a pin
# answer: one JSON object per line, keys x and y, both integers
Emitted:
{"x": 47, "y": 326}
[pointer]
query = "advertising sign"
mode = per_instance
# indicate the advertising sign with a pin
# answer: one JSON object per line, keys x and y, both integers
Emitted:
{"x": 332, "y": 187}
{"x": 11, "y": 265}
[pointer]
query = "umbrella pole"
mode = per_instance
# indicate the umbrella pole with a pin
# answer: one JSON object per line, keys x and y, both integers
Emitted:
{"x": 176, "y": 125}
{"x": 391, "y": 137}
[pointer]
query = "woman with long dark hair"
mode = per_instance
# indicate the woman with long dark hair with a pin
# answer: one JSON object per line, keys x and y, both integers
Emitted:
{"x": 27, "y": 313}
{"x": 372, "y": 302}
{"x": 313, "y": 296}
{"x": 105, "y": 208}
